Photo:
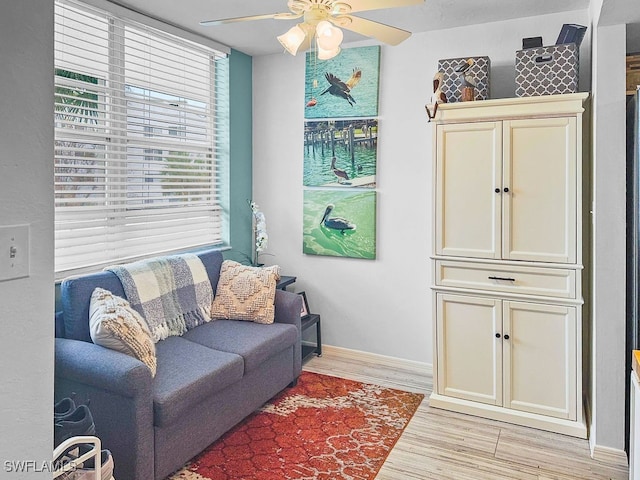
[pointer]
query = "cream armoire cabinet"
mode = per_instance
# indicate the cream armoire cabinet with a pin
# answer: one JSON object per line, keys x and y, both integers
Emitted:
{"x": 510, "y": 238}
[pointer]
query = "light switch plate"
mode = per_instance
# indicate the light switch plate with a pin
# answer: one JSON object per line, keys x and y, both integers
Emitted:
{"x": 14, "y": 252}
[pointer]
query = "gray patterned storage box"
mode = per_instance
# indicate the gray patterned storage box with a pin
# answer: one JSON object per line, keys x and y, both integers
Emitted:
{"x": 547, "y": 70}
{"x": 452, "y": 83}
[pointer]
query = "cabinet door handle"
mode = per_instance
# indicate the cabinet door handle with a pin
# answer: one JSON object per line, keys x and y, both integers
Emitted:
{"x": 497, "y": 190}
{"x": 497, "y": 335}
{"x": 508, "y": 279}
{"x": 506, "y": 190}
{"x": 506, "y": 337}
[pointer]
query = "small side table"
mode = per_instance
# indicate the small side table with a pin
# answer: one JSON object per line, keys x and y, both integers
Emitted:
{"x": 309, "y": 348}
{"x": 284, "y": 282}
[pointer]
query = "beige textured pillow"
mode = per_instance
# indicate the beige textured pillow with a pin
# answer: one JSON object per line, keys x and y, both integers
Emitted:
{"x": 114, "y": 324}
{"x": 246, "y": 293}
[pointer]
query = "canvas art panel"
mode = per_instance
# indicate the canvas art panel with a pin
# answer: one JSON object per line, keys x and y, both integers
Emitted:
{"x": 344, "y": 86}
{"x": 339, "y": 223}
{"x": 340, "y": 153}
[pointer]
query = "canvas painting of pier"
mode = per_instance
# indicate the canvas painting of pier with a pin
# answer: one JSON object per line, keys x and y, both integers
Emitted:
{"x": 339, "y": 223}
{"x": 343, "y": 86}
{"x": 340, "y": 153}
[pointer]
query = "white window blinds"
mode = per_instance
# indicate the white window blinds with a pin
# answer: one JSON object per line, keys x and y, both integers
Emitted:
{"x": 141, "y": 126}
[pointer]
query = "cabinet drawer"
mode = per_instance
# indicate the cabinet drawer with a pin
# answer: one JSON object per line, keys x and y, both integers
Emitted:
{"x": 547, "y": 282}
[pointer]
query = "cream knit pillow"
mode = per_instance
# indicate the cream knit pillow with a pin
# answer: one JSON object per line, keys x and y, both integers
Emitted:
{"x": 114, "y": 324}
{"x": 246, "y": 293}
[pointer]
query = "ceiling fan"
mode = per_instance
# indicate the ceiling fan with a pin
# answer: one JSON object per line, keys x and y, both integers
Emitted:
{"x": 320, "y": 19}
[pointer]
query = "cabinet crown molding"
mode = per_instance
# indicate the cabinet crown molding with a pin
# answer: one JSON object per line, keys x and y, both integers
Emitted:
{"x": 506, "y": 108}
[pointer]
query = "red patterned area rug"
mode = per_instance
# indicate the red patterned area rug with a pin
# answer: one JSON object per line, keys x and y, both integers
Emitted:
{"x": 324, "y": 428}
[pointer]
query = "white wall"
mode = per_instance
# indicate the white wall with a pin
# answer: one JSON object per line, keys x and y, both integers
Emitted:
{"x": 382, "y": 306}
{"x": 609, "y": 237}
{"x": 26, "y": 196}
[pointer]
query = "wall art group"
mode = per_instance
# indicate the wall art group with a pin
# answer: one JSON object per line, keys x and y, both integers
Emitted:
{"x": 340, "y": 153}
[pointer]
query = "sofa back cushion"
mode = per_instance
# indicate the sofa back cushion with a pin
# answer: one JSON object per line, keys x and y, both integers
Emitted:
{"x": 75, "y": 294}
{"x": 212, "y": 260}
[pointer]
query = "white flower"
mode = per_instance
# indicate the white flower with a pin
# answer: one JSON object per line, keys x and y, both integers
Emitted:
{"x": 260, "y": 228}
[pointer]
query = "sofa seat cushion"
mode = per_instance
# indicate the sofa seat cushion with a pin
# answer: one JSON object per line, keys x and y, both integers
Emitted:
{"x": 188, "y": 373}
{"x": 255, "y": 342}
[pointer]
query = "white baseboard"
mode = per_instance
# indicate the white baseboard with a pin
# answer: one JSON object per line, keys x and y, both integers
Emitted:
{"x": 392, "y": 362}
{"x": 611, "y": 456}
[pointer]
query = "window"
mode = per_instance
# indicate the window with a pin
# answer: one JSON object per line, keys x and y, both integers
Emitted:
{"x": 141, "y": 122}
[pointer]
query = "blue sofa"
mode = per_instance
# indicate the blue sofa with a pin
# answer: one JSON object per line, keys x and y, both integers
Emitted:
{"x": 207, "y": 380}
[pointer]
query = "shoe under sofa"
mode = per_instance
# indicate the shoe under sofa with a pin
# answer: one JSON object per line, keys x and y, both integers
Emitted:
{"x": 207, "y": 380}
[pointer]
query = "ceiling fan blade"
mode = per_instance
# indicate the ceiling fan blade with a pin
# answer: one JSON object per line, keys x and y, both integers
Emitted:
{"x": 277, "y": 16}
{"x": 369, "y": 28}
{"x": 364, "y": 5}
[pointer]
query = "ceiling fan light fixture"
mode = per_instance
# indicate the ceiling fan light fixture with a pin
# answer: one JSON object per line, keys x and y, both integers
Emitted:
{"x": 292, "y": 40}
{"x": 323, "y": 54}
{"x": 328, "y": 37}
{"x": 322, "y": 27}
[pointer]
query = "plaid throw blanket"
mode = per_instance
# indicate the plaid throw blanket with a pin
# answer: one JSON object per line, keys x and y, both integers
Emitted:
{"x": 172, "y": 293}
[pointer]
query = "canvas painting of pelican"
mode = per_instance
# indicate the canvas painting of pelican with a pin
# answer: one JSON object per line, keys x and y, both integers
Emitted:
{"x": 343, "y": 86}
{"x": 339, "y": 223}
{"x": 340, "y": 153}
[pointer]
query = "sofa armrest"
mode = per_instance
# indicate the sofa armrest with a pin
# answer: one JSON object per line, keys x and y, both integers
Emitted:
{"x": 287, "y": 307}
{"x": 97, "y": 366}
{"x": 287, "y": 310}
{"x": 119, "y": 392}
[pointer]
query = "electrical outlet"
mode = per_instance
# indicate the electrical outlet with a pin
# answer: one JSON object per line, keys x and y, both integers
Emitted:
{"x": 14, "y": 252}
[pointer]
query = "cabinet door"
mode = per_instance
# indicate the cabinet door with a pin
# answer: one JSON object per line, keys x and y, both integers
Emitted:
{"x": 467, "y": 208}
{"x": 539, "y": 218}
{"x": 539, "y": 349}
{"x": 469, "y": 355}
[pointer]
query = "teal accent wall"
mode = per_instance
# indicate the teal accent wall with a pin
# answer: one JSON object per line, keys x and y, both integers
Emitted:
{"x": 240, "y": 157}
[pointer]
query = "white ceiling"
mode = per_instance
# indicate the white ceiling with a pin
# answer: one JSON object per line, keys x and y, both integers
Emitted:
{"x": 259, "y": 37}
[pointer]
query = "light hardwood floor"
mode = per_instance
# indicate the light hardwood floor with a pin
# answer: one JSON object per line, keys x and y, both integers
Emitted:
{"x": 443, "y": 445}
